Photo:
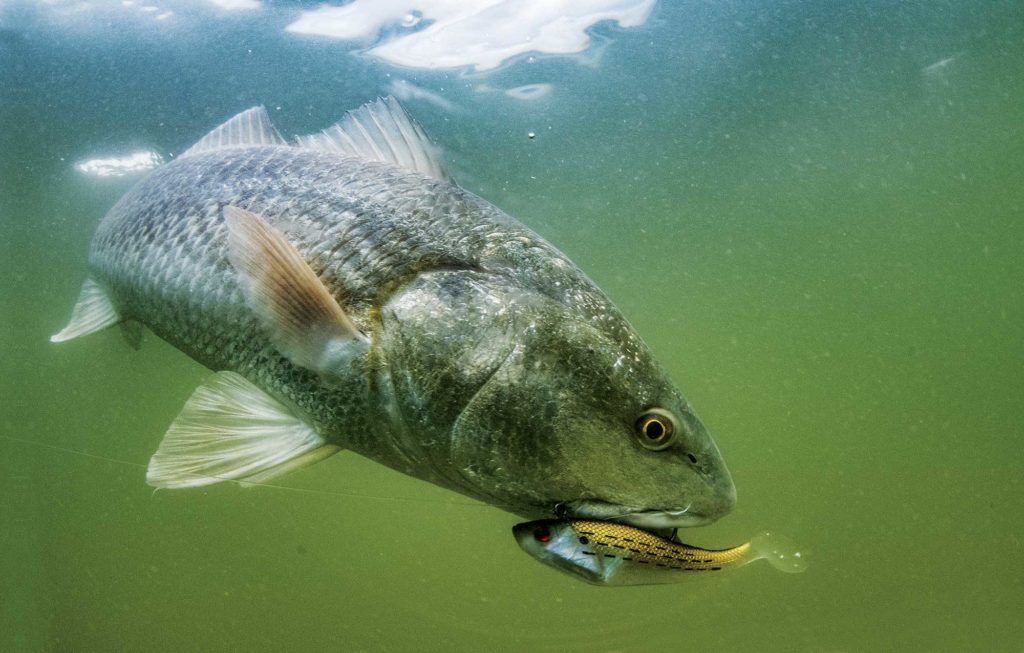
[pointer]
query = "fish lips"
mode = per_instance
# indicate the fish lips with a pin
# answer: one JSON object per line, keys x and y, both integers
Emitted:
{"x": 641, "y": 518}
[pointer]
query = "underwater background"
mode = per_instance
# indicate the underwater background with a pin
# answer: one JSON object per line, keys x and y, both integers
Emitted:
{"x": 812, "y": 212}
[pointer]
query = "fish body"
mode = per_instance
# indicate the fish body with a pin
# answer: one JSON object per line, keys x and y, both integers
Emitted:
{"x": 609, "y": 553}
{"x": 349, "y": 295}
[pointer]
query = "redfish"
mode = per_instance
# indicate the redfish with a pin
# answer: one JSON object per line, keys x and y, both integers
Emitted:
{"x": 348, "y": 294}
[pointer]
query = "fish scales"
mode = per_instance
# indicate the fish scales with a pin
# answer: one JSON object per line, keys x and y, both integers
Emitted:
{"x": 162, "y": 250}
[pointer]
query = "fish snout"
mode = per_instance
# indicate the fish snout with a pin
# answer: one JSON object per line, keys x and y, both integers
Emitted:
{"x": 722, "y": 498}
{"x": 718, "y": 498}
{"x": 714, "y": 494}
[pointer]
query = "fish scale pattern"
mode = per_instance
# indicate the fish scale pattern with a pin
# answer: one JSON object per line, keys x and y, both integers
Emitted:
{"x": 366, "y": 229}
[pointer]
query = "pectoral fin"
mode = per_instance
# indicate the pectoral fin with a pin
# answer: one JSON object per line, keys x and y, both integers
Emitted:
{"x": 304, "y": 321}
{"x": 231, "y": 430}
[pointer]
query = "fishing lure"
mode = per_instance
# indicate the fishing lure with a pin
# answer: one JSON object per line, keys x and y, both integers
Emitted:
{"x": 609, "y": 553}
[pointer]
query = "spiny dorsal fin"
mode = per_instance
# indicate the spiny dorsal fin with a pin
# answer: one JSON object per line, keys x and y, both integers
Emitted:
{"x": 250, "y": 128}
{"x": 301, "y": 316}
{"x": 229, "y": 429}
{"x": 381, "y": 131}
{"x": 93, "y": 311}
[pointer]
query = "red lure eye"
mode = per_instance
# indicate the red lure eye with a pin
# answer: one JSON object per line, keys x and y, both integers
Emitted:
{"x": 542, "y": 534}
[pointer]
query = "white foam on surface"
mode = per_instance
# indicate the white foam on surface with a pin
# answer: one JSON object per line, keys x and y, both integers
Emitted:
{"x": 479, "y": 34}
{"x": 120, "y": 166}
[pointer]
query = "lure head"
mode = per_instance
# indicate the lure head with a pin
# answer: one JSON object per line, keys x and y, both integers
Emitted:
{"x": 557, "y": 544}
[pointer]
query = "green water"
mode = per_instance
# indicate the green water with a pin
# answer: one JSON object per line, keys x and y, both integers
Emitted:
{"x": 818, "y": 231}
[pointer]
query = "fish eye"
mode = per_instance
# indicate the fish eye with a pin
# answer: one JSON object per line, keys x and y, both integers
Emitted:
{"x": 542, "y": 534}
{"x": 655, "y": 429}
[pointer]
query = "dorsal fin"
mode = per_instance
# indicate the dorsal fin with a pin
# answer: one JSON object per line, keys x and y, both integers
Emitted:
{"x": 247, "y": 129}
{"x": 381, "y": 131}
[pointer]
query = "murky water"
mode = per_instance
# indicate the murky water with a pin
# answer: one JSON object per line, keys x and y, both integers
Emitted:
{"x": 814, "y": 216}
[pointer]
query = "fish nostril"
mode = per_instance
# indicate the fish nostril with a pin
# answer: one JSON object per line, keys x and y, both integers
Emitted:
{"x": 693, "y": 459}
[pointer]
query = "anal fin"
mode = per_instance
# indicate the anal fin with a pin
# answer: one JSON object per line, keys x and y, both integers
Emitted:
{"x": 229, "y": 429}
{"x": 92, "y": 312}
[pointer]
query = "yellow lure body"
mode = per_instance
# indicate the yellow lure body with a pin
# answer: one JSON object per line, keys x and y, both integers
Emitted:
{"x": 611, "y": 539}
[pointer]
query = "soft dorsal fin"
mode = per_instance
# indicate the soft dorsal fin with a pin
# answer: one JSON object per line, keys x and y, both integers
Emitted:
{"x": 302, "y": 318}
{"x": 250, "y": 128}
{"x": 381, "y": 131}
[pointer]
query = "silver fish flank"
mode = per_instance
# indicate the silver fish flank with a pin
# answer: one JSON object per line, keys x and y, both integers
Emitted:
{"x": 348, "y": 295}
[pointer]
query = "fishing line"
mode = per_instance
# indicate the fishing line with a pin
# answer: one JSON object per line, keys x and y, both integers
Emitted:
{"x": 359, "y": 495}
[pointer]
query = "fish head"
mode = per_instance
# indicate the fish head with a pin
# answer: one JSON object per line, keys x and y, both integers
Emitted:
{"x": 578, "y": 420}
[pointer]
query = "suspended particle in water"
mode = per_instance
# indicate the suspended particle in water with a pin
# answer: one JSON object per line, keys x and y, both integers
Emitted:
{"x": 531, "y": 135}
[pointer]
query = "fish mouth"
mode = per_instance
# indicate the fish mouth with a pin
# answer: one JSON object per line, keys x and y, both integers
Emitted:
{"x": 644, "y": 518}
